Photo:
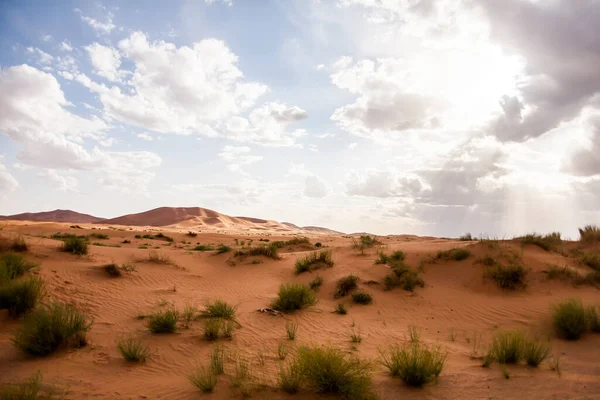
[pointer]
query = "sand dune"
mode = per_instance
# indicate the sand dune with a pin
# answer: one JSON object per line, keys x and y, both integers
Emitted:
{"x": 457, "y": 309}
{"x": 54, "y": 216}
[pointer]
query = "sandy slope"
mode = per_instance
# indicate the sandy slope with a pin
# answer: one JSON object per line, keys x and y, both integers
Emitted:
{"x": 455, "y": 301}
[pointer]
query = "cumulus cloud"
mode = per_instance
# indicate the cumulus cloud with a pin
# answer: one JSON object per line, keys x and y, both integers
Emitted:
{"x": 8, "y": 183}
{"x": 61, "y": 182}
{"x": 382, "y": 183}
{"x": 106, "y": 61}
{"x": 33, "y": 114}
{"x": 102, "y": 28}
{"x": 65, "y": 45}
{"x": 586, "y": 161}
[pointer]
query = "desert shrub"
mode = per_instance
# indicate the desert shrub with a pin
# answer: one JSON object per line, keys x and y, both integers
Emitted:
{"x": 345, "y": 285}
{"x": 204, "y": 379}
{"x": 99, "y": 236}
{"x": 126, "y": 241}
{"x": 62, "y": 236}
{"x": 547, "y": 242}
{"x": 362, "y": 298}
{"x": 593, "y": 319}
{"x": 511, "y": 277}
{"x": 313, "y": 261}
{"x": 138, "y": 236}
{"x": 218, "y": 309}
{"x": 75, "y": 245}
{"x": 589, "y": 234}
{"x": 31, "y": 389}
{"x": 402, "y": 276}
{"x": 192, "y": 234}
{"x": 228, "y": 329}
{"x": 163, "y": 321}
{"x": 267, "y": 251}
{"x": 223, "y": 249}
{"x": 316, "y": 283}
{"x": 592, "y": 260}
{"x": 415, "y": 364}
{"x": 203, "y": 247}
{"x": 562, "y": 273}
{"x": 290, "y": 378}
{"x": 162, "y": 236}
{"x": 155, "y": 257}
{"x": 290, "y": 329}
{"x": 217, "y": 360}
{"x": 569, "y": 319}
{"x": 318, "y": 244}
{"x": 293, "y": 297}
{"x": 133, "y": 349}
{"x": 282, "y": 350}
{"x": 21, "y": 296}
{"x": 466, "y": 237}
{"x": 213, "y": 328}
{"x": 329, "y": 371}
{"x": 341, "y": 309}
{"x": 292, "y": 242}
{"x": 50, "y": 327}
{"x": 535, "y": 351}
{"x": 507, "y": 347}
{"x": 591, "y": 278}
{"x": 456, "y": 254}
{"x": 112, "y": 270}
{"x": 13, "y": 265}
{"x": 188, "y": 315}
{"x": 19, "y": 245}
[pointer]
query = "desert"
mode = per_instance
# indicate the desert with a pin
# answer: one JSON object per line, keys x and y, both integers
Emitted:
{"x": 208, "y": 289}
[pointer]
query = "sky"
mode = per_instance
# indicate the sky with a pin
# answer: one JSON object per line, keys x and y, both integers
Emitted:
{"x": 385, "y": 116}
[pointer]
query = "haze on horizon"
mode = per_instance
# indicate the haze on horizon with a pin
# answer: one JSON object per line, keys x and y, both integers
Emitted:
{"x": 408, "y": 116}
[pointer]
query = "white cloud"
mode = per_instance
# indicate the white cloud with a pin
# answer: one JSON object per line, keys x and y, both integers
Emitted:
{"x": 227, "y": 2}
{"x": 8, "y": 183}
{"x": 102, "y": 28}
{"x": 237, "y": 156}
{"x": 61, "y": 182}
{"x": 65, "y": 45}
{"x": 382, "y": 183}
{"x": 43, "y": 58}
{"x": 325, "y": 135}
{"x": 352, "y": 145}
{"x": 315, "y": 187}
{"x": 46, "y": 38}
{"x": 144, "y": 136}
{"x": 106, "y": 61}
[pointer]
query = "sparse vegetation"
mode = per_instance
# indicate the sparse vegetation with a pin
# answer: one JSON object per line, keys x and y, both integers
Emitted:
{"x": 282, "y": 350}
{"x": 510, "y": 277}
{"x": 589, "y": 234}
{"x": 290, "y": 378}
{"x": 213, "y": 328}
{"x": 155, "y": 257}
{"x": 362, "y": 298}
{"x": 203, "y": 247}
{"x": 404, "y": 277}
{"x": 188, "y": 315}
{"x": 290, "y": 329}
{"x": 161, "y": 236}
{"x": 223, "y": 249}
{"x": 204, "y": 379}
{"x": 267, "y": 251}
{"x": 592, "y": 260}
{"x": 19, "y": 245}
{"x": 21, "y": 296}
{"x": 570, "y": 319}
{"x": 49, "y": 327}
{"x": 393, "y": 259}
{"x": 163, "y": 321}
{"x": 191, "y": 234}
{"x": 416, "y": 364}
{"x": 549, "y": 242}
{"x": 297, "y": 241}
{"x": 101, "y": 236}
{"x": 345, "y": 285}
{"x": 341, "y": 309}
{"x": 293, "y": 297}
{"x": 313, "y": 261}
{"x": 355, "y": 337}
{"x": 126, "y": 241}
{"x": 218, "y": 309}
{"x": 13, "y": 265}
{"x": 133, "y": 349}
{"x": 593, "y": 319}
{"x": 217, "y": 360}
{"x": 535, "y": 351}
{"x": 456, "y": 254}
{"x": 562, "y": 273}
{"x": 318, "y": 244}
{"x": 466, "y": 237}
{"x": 512, "y": 347}
{"x": 75, "y": 245}
{"x": 316, "y": 283}
{"x": 31, "y": 389}
{"x": 116, "y": 270}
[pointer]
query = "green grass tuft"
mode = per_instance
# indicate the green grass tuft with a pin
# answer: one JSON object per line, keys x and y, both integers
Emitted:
{"x": 290, "y": 329}
{"x": 589, "y": 234}
{"x": 13, "y": 265}
{"x": 416, "y": 364}
{"x": 316, "y": 283}
{"x": 31, "y": 389}
{"x": 204, "y": 379}
{"x": 49, "y": 327}
{"x": 507, "y": 347}
{"x": 101, "y": 236}
{"x": 217, "y": 360}
{"x": 313, "y": 261}
{"x": 223, "y": 249}
{"x": 267, "y": 251}
{"x": 569, "y": 319}
{"x": 133, "y": 350}
{"x": 203, "y": 247}
{"x": 456, "y": 254}
{"x": 19, "y": 245}
{"x": 163, "y": 321}
{"x": 218, "y": 309}
{"x": 510, "y": 277}
{"x": 290, "y": 378}
{"x": 345, "y": 285}
{"x": 293, "y": 297}
{"x": 75, "y": 245}
{"x": 341, "y": 309}
{"x": 404, "y": 277}
{"x": 21, "y": 296}
{"x": 362, "y": 298}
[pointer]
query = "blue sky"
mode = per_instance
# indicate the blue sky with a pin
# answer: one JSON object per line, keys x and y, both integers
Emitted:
{"x": 408, "y": 116}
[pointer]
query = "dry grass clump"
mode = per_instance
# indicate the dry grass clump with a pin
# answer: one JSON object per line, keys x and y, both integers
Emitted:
{"x": 562, "y": 273}
{"x": 217, "y": 327}
{"x": 20, "y": 296}
{"x": 49, "y": 327}
{"x": 133, "y": 349}
{"x": 203, "y": 247}
{"x": 394, "y": 258}
{"x": 404, "y": 277}
{"x": 316, "y": 283}
{"x": 456, "y": 254}
{"x": 115, "y": 270}
{"x": 326, "y": 370}
{"x": 19, "y": 245}
{"x": 13, "y": 265}
{"x": 512, "y": 347}
{"x": 549, "y": 242}
{"x": 155, "y": 257}
{"x": 569, "y": 319}
{"x": 293, "y": 297}
{"x": 416, "y": 364}
{"x": 313, "y": 261}
{"x": 341, "y": 309}
{"x": 219, "y": 309}
{"x": 267, "y": 251}
{"x": 297, "y": 241}
{"x": 510, "y": 277}
{"x": 591, "y": 260}
{"x": 204, "y": 379}
{"x": 589, "y": 234}
{"x": 74, "y": 245}
{"x": 163, "y": 321}
{"x": 31, "y": 389}
{"x": 101, "y": 236}
{"x": 467, "y": 237}
{"x": 222, "y": 248}
{"x": 363, "y": 298}
{"x": 345, "y": 285}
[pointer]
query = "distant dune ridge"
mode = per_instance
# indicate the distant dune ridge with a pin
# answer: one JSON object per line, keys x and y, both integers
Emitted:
{"x": 174, "y": 217}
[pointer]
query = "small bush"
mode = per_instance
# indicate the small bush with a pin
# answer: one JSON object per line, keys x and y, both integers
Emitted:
{"x": 297, "y": 241}
{"x": 267, "y": 251}
{"x": 138, "y": 236}
{"x": 223, "y": 249}
{"x": 188, "y": 315}
{"x": 192, "y": 234}
{"x": 329, "y": 371}
{"x": 509, "y": 277}
{"x": 403, "y": 277}
{"x": 507, "y": 347}
{"x": 456, "y": 254}
{"x": 163, "y": 321}
{"x": 112, "y": 270}
{"x": 133, "y": 350}
{"x": 21, "y": 296}
{"x": 313, "y": 261}
{"x": 218, "y": 309}
{"x": 31, "y": 389}
{"x": 155, "y": 257}
{"x": 318, "y": 244}
{"x": 534, "y": 352}
{"x": 50, "y": 327}
{"x": 13, "y": 266}
{"x": 592, "y": 260}
{"x": 75, "y": 245}
{"x": 562, "y": 273}
{"x": 589, "y": 234}
{"x": 341, "y": 309}
{"x": 99, "y": 236}
{"x": 204, "y": 379}
{"x": 290, "y": 378}
{"x": 162, "y": 236}
{"x": 212, "y": 328}
{"x": 126, "y": 241}
{"x": 466, "y": 237}
{"x": 570, "y": 319}
{"x": 293, "y": 297}
{"x": 19, "y": 245}
{"x": 345, "y": 285}
{"x": 316, "y": 283}
{"x": 593, "y": 319}
{"x": 362, "y": 298}
{"x": 415, "y": 364}
{"x": 290, "y": 329}
{"x": 217, "y": 360}
{"x": 203, "y": 247}
{"x": 547, "y": 242}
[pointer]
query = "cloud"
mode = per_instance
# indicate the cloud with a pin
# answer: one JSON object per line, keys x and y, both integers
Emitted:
{"x": 237, "y": 156}
{"x": 383, "y": 184}
{"x": 46, "y": 38}
{"x": 227, "y": 2}
{"x": 65, "y": 45}
{"x": 8, "y": 183}
{"x": 145, "y": 136}
{"x": 33, "y": 114}
{"x": 102, "y": 28}
{"x": 106, "y": 61}
{"x": 43, "y": 58}
{"x": 586, "y": 161}
{"x": 315, "y": 187}
{"x": 61, "y": 182}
